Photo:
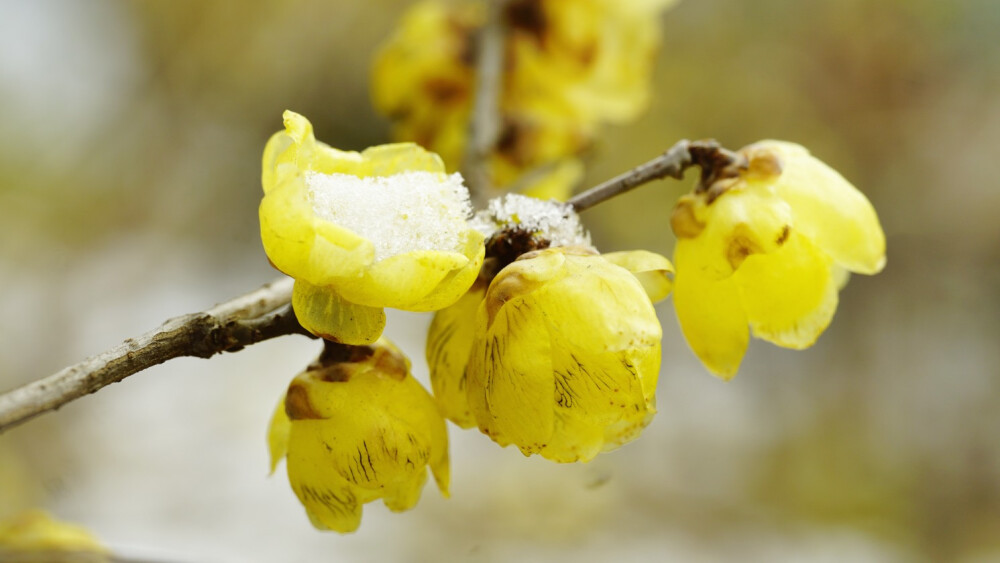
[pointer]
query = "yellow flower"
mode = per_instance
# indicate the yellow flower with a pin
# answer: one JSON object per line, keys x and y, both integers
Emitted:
{"x": 588, "y": 60}
{"x": 769, "y": 249}
{"x": 356, "y": 427}
{"x": 363, "y": 231}
{"x": 423, "y": 78}
{"x": 32, "y": 534}
{"x": 570, "y": 66}
{"x": 565, "y": 352}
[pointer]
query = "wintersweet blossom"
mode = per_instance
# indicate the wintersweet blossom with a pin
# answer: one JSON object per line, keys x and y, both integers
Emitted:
{"x": 564, "y": 353}
{"x": 361, "y": 231}
{"x": 569, "y": 67}
{"x": 357, "y": 427}
{"x": 770, "y": 249}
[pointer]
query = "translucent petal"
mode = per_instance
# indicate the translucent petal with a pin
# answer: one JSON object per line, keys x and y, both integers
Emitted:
{"x": 789, "y": 296}
{"x": 605, "y": 357}
{"x": 330, "y": 501}
{"x": 738, "y": 223}
{"x": 362, "y": 429}
{"x": 710, "y": 314}
{"x": 510, "y": 375}
{"x": 277, "y": 434}
{"x": 653, "y": 271}
{"x": 457, "y": 282}
{"x": 303, "y": 246}
{"x": 828, "y": 209}
{"x": 402, "y": 280}
{"x": 324, "y": 313}
{"x": 449, "y": 344}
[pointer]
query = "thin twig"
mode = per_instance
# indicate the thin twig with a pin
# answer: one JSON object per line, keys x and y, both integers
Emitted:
{"x": 484, "y": 123}
{"x": 257, "y": 316}
{"x": 715, "y": 162}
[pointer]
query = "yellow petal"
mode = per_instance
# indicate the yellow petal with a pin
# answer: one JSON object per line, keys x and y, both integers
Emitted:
{"x": 605, "y": 357}
{"x": 456, "y": 283}
{"x": 277, "y": 434}
{"x": 739, "y": 223}
{"x": 790, "y": 295}
{"x": 303, "y": 246}
{"x": 449, "y": 344}
{"x": 324, "y": 313}
{"x": 510, "y": 371}
{"x": 330, "y": 501}
{"x": 33, "y": 535}
{"x": 653, "y": 271}
{"x": 402, "y": 280}
{"x": 827, "y": 208}
{"x": 710, "y": 315}
{"x": 362, "y": 429}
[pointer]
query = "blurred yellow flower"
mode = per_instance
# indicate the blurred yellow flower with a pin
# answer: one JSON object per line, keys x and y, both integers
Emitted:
{"x": 770, "y": 249}
{"x": 32, "y": 534}
{"x": 357, "y": 427}
{"x": 362, "y": 231}
{"x": 423, "y": 76}
{"x": 564, "y": 357}
{"x": 570, "y": 66}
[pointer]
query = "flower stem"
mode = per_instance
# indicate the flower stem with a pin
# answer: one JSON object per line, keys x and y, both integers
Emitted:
{"x": 715, "y": 162}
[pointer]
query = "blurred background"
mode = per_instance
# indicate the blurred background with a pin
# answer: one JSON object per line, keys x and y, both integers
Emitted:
{"x": 130, "y": 143}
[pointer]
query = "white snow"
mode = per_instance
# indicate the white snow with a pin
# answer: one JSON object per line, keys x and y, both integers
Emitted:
{"x": 400, "y": 213}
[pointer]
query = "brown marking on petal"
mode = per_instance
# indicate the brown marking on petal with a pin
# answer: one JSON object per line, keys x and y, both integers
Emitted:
{"x": 683, "y": 220}
{"x": 527, "y": 16}
{"x": 297, "y": 405}
{"x": 335, "y": 373}
{"x": 513, "y": 142}
{"x": 444, "y": 91}
{"x": 336, "y": 352}
{"x": 764, "y": 163}
{"x": 390, "y": 364}
{"x": 786, "y": 232}
{"x": 587, "y": 53}
{"x": 740, "y": 245}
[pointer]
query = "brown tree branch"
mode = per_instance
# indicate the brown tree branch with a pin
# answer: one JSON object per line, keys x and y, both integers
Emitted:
{"x": 228, "y": 327}
{"x": 484, "y": 122}
{"x": 715, "y": 162}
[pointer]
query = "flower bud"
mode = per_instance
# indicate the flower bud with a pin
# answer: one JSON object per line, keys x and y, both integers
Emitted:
{"x": 566, "y": 353}
{"x": 356, "y": 427}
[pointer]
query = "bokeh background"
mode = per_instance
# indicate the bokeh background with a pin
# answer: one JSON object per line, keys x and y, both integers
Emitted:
{"x": 130, "y": 142}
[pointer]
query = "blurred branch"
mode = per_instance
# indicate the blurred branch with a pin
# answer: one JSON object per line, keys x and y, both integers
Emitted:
{"x": 484, "y": 124}
{"x": 228, "y": 327}
{"x": 715, "y": 162}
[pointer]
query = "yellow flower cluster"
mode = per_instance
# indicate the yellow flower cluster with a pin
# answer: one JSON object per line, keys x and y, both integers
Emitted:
{"x": 550, "y": 346}
{"x": 559, "y": 355}
{"x": 570, "y": 65}
{"x": 356, "y": 427}
{"x": 770, "y": 249}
